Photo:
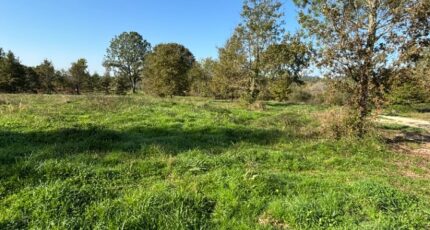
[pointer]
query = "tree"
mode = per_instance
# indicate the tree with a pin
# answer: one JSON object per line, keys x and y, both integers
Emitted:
{"x": 2, "y": 54}
{"x": 78, "y": 74}
{"x": 422, "y": 70}
{"x": 105, "y": 83}
{"x": 126, "y": 56}
{"x": 261, "y": 28}
{"x": 166, "y": 70}
{"x": 46, "y": 73}
{"x": 32, "y": 80}
{"x": 414, "y": 83}
{"x": 416, "y": 36}
{"x": 62, "y": 81}
{"x": 357, "y": 40}
{"x": 284, "y": 64}
{"x": 201, "y": 75}
{"x": 93, "y": 82}
{"x": 230, "y": 73}
{"x": 12, "y": 74}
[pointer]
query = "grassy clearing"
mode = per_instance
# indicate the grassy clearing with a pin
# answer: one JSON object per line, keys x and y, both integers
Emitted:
{"x": 137, "y": 162}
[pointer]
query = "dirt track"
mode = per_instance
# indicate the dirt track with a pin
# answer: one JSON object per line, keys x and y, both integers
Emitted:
{"x": 406, "y": 121}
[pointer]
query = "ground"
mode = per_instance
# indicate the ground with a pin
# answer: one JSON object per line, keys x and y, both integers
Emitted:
{"x": 410, "y": 134}
{"x": 406, "y": 121}
{"x": 102, "y": 162}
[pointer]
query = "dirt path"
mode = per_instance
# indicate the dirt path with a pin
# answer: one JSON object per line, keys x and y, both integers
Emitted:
{"x": 411, "y": 143}
{"x": 411, "y": 122}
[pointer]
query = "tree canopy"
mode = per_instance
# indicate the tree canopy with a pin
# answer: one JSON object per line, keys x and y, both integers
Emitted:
{"x": 261, "y": 27}
{"x": 78, "y": 74}
{"x": 357, "y": 40}
{"x": 166, "y": 70}
{"x": 126, "y": 56}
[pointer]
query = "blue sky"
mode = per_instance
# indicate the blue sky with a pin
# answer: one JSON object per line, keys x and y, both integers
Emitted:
{"x": 65, "y": 30}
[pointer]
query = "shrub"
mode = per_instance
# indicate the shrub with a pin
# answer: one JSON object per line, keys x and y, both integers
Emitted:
{"x": 338, "y": 92}
{"x": 408, "y": 94}
{"x": 301, "y": 95}
{"x": 121, "y": 85}
{"x": 338, "y": 123}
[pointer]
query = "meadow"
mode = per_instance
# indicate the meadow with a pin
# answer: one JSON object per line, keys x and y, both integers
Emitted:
{"x": 137, "y": 162}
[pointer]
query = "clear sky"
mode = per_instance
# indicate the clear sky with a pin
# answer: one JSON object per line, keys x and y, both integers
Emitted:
{"x": 65, "y": 30}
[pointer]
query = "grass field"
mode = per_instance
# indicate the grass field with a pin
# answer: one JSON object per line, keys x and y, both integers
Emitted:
{"x": 105, "y": 162}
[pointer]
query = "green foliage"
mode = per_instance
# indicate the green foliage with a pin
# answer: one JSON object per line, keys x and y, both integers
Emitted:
{"x": 288, "y": 58}
{"x": 121, "y": 85}
{"x": 106, "y": 162}
{"x": 411, "y": 85}
{"x": 301, "y": 96}
{"x": 46, "y": 73}
{"x": 167, "y": 70}
{"x": 359, "y": 41}
{"x": 261, "y": 27}
{"x": 280, "y": 88}
{"x": 78, "y": 75}
{"x": 229, "y": 73}
{"x": 200, "y": 76}
{"x": 32, "y": 80}
{"x": 409, "y": 93}
{"x": 12, "y": 74}
{"x": 106, "y": 83}
{"x": 126, "y": 56}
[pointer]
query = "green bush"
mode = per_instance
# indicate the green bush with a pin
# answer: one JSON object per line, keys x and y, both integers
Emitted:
{"x": 408, "y": 94}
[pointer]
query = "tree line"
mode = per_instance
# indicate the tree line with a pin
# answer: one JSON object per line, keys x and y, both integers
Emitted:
{"x": 368, "y": 50}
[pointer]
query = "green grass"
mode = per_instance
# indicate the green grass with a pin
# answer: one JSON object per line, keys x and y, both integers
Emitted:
{"x": 418, "y": 111}
{"x": 401, "y": 128}
{"x": 99, "y": 162}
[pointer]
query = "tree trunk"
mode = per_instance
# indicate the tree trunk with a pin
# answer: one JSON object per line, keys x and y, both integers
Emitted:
{"x": 133, "y": 86}
{"x": 363, "y": 104}
{"x": 367, "y": 71}
{"x": 77, "y": 90}
{"x": 252, "y": 89}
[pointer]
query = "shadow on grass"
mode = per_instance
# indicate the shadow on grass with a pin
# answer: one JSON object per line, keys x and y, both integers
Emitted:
{"x": 424, "y": 110}
{"x": 66, "y": 142}
{"x": 409, "y": 137}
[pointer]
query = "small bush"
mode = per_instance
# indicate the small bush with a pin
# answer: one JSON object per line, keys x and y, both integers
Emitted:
{"x": 258, "y": 105}
{"x": 338, "y": 123}
{"x": 300, "y": 95}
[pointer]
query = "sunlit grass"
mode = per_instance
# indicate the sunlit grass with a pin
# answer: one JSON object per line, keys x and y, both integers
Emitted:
{"x": 139, "y": 162}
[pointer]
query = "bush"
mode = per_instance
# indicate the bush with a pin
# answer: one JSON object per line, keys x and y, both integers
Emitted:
{"x": 300, "y": 95}
{"x": 121, "y": 85}
{"x": 338, "y": 92}
{"x": 339, "y": 123}
{"x": 408, "y": 94}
